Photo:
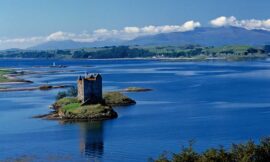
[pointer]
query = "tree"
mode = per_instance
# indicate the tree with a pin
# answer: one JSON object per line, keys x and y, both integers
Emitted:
{"x": 71, "y": 92}
{"x": 267, "y": 48}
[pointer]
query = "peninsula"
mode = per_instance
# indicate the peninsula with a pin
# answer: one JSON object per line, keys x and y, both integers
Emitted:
{"x": 11, "y": 76}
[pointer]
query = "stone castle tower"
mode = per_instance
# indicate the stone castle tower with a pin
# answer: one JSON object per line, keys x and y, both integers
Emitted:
{"x": 90, "y": 89}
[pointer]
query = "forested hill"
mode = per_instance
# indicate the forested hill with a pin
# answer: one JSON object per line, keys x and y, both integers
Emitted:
{"x": 187, "y": 51}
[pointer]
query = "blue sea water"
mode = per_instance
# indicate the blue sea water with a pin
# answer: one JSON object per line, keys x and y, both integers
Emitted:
{"x": 211, "y": 102}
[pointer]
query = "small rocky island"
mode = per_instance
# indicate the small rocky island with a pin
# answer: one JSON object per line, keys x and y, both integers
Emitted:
{"x": 90, "y": 103}
{"x": 136, "y": 89}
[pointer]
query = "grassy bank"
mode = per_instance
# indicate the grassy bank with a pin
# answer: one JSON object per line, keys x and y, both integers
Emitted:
{"x": 72, "y": 109}
{"x": 117, "y": 99}
{"x": 3, "y": 77}
{"x": 110, "y": 99}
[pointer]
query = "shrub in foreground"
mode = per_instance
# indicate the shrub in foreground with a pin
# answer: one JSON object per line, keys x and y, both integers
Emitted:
{"x": 247, "y": 152}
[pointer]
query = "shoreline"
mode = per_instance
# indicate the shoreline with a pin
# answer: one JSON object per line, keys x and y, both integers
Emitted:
{"x": 15, "y": 82}
{"x": 153, "y": 59}
{"x": 32, "y": 88}
{"x": 103, "y": 110}
{"x": 13, "y": 77}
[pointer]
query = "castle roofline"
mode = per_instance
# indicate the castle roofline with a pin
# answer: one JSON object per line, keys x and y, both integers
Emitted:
{"x": 91, "y": 76}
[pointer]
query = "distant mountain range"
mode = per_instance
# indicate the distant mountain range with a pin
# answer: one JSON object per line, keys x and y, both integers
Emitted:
{"x": 201, "y": 36}
{"x": 208, "y": 37}
{"x": 70, "y": 44}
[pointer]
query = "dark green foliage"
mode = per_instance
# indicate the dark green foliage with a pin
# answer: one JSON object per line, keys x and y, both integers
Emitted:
{"x": 247, "y": 152}
{"x": 187, "y": 51}
{"x": 263, "y": 150}
{"x": 162, "y": 158}
{"x": 252, "y": 50}
{"x": 244, "y": 152}
{"x": 113, "y": 52}
{"x": 215, "y": 155}
{"x": 61, "y": 94}
{"x": 267, "y": 48}
{"x": 186, "y": 155}
{"x": 71, "y": 92}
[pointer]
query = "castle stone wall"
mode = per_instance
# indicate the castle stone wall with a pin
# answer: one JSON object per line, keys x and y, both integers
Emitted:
{"x": 80, "y": 90}
{"x": 90, "y": 89}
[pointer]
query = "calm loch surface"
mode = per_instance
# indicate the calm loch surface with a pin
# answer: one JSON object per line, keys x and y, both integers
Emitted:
{"x": 213, "y": 102}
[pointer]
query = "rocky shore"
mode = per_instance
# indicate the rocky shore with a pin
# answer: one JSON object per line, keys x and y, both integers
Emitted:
{"x": 117, "y": 99}
{"x": 70, "y": 108}
{"x": 82, "y": 113}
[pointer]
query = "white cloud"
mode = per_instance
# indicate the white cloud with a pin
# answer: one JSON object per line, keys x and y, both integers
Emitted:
{"x": 223, "y": 21}
{"x": 150, "y": 29}
{"x": 190, "y": 25}
{"x": 131, "y": 30}
{"x": 256, "y": 24}
{"x": 57, "y": 36}
{"x": 21, "y": 40}
{"x": 249, "y": 24}
{"x": 101, "y": 31}
{"x": 126, "y": 33}
{"x": 187, "y": 26}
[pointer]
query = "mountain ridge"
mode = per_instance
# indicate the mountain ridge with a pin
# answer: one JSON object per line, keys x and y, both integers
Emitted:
{"x": 205, "y": 36}
{"x": 208, "y": 37}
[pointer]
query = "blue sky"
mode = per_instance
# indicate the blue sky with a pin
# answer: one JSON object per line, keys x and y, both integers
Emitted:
{"x": 37, "y": 18}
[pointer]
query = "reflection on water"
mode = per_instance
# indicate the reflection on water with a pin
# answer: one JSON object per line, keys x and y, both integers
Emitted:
{"x": 91, "y": 145}
{"x": 228, "y": 99}
{"x": 91, "y": 139}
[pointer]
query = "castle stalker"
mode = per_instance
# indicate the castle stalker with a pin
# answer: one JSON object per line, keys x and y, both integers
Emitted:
{"x": 90, "y": 89}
